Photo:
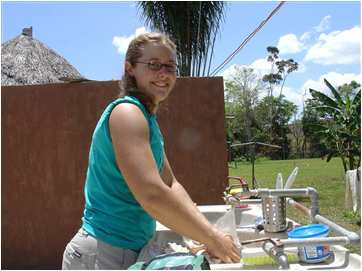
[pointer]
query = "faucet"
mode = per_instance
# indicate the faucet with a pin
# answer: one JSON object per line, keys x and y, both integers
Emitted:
{"x": 238, "y": 188}
{"x": 233, "y": 193}
{"x": 275, "y": 249}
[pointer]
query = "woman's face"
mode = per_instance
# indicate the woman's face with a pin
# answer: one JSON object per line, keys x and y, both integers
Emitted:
{"x": 157, "y": 84}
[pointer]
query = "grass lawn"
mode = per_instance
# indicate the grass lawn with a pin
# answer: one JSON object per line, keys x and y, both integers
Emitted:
{"x": 327, "y": 178}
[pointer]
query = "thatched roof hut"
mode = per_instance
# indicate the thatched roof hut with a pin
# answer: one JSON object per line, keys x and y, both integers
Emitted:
{"x": 27, "y": 61}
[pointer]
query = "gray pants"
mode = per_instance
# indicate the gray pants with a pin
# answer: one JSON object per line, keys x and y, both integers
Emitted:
{"x": 86, "y": 252}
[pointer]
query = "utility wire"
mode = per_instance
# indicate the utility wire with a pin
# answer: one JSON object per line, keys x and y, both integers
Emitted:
{"x": 245, "y": 41}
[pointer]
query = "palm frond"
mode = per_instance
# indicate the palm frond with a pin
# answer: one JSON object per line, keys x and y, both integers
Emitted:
{"x": 357, "y": 100}
{"x": 325, "y": 99}
{"x": 334, "y": 91}
{"x": 331, "y": 155}
{"x": 327, "y": 109}
{"x": 191, "y": 25}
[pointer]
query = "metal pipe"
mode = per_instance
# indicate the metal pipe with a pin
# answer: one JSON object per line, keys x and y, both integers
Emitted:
{"x": 339, "y": 240}
{"x": 235, "y": 201}
{"x": 299, "y": 206}
{"x": 353, "y": 237}
{"x": 277, "y": 192}
{"x": 250, "y": 201}
{"x": 309, "y": 191}
{"x": 313, "y": 212}
{"x": 314, "y": 208}
{"x": 231, "y": 200}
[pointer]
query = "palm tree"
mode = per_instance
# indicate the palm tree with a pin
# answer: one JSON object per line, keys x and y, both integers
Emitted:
{"x": 191, "y": 25}
{"x": 341, "y": 124}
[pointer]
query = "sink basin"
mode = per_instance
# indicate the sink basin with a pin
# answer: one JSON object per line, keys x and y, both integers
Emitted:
{"x": 243, "y": 216}
{"x": 341, "y": 260}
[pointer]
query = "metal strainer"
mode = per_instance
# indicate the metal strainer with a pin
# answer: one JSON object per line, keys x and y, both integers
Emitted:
{"x": 274, "y": 213}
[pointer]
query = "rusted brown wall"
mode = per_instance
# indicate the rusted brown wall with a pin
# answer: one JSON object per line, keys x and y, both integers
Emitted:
{"x": 193, "y": 123}
{"x": 46, "y": 133}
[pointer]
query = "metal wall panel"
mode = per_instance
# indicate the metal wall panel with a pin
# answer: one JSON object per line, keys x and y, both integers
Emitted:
{"x": 193, "y": 123}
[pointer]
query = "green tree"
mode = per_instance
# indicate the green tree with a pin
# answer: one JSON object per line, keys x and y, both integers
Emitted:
{"x": 350, "y": 89}
{"x": 340, "y": 129}
{"x": 313, "y": 146}
{"x": 241, "y": 98}
{"x": 191, "y": 25}
{"x": 275, "y": 132}
{"x": 280, "y": 69}
{"x": 251, "y": 116}
{"x": 296, "y": 137}
{"x": 273, "y": 78}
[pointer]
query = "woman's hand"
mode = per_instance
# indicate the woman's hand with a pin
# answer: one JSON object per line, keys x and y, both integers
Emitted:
{"x": 224, "y": 248}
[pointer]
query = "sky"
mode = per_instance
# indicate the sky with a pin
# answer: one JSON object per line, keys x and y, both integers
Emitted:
{"x": 322, "y": 36}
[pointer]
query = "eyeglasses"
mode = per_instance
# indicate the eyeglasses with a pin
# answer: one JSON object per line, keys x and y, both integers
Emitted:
{"x": 156, "y": 66}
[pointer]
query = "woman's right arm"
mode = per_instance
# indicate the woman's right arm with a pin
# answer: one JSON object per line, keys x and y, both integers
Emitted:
{"x": 130, "y": 137}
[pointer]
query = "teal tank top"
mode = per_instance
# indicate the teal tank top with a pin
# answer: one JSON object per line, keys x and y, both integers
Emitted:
{"x": 111, "y": 212}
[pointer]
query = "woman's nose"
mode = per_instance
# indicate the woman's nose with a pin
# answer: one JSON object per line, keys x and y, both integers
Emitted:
{"x": 163, "y": 73}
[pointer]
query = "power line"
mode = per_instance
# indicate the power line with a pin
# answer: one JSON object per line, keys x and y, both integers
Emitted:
{"x": 228, "y": 59}
{"x": 245, "y": 41}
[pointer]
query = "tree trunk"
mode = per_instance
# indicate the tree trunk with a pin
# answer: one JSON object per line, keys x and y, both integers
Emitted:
{"x": 344, "y": 164}
{"x": 189, "y": 41}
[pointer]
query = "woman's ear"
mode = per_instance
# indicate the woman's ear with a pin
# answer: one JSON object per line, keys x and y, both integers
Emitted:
{"x": 128, "y": 68}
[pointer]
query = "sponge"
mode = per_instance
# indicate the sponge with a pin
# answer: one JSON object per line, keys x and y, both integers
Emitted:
{"x": 265, "y": 259}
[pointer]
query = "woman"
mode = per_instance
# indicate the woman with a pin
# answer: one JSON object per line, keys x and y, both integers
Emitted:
{"x": 129, "y": 181}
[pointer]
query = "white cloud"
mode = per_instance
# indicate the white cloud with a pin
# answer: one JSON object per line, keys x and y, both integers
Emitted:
{"x": 289, "y": 44}
{"x": 294, "y": 96}
{"x": 336, "y": 79}
{"x": 261, "y": 66}
{"x": 122, "y": 42}
{"x": 228, "y": 73}
{"x": 324, "y": 24}
{"x": 305, "y": 37}
{"x": 301, "y": 68}
{"x": 338, "y": 47}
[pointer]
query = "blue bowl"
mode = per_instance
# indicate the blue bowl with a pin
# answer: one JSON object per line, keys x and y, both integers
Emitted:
{"x": 309, "y": 231}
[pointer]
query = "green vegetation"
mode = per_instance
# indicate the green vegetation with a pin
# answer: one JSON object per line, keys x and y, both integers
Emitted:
{"x": 343, "y": 135}
{"x": 327, "y": 178}
{"x": 330, "y": 124}
{"x": 260, "y": 119}
{"x": 193, "y": 26}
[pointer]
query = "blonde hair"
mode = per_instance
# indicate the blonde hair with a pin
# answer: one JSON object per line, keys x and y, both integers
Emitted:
{"x": 133, "y": 54}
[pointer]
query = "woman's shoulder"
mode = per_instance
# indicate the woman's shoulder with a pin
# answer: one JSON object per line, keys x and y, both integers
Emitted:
{"x": 126, "y": 100}
{"x": 127, "y": 118}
